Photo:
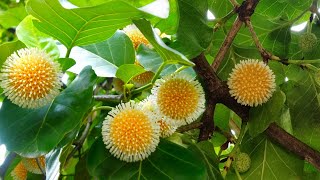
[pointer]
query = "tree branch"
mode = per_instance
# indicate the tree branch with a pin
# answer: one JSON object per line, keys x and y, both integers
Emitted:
{"x": 226, "y": 44}
{"x": 244, "y": 13}
{"x": 294, "y": 145}
{"x": 188, "y": 127}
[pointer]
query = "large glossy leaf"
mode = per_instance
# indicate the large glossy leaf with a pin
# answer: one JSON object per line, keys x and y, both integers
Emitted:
{"x": 269, "y": 161}
{"x": 205, "y": 150}
{"x": 32, "y": 37}
{"x": 12, "y": 17}
{"x": 6, "y": 49}
{"x": 167, "y": 54}
{"x": 263, "y": 115}
{"x": 87, "y": 3}
{"x": 81, "y": 26}
{"x": 35, "y": 132}
{"x": 193, "y": 35}
{"x": 169, "y": 161}
{"x": 118, "y": 49}
{"x": 83, "y": 58}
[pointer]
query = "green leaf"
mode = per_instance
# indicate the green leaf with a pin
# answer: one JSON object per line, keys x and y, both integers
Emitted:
{"x": 302, "y": 93}
{"x": 87, "y": 3}
{"x": 274, "y": 34}
{"x": 128, "y": 71}
{"x": 220, "y": 8}
{"x": 205, "y": 150}
{"x": 168, "y": 55}
{"x": 81, "y": 26}
{"x": 32, "y": 37}
{"x": 169, "y": 161}
{"x": 222, "y": 117}
{"x": 288, "y": 8}
{"x": 193, "y": 35}
{"x": 261, "y": 116}
{"x": 12, "y": 17}
{"x": 118, "y": 49}
{"x": 83, "y": 58}
{"x": 268, "y": 161}
{"x": 53, "y": 164}
{"x": 151, "y": 61}
{"x": 34, "y": 132}
{"x": 66, "y": 63}
{"x": 170, "y": 24}
{"x": 6, "y": 49}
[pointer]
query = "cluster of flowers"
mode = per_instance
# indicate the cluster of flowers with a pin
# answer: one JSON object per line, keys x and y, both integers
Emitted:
{"x": 132, "y": 131}
{"x": 20, "y": 172}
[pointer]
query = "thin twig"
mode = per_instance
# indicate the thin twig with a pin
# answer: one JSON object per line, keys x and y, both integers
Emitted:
{"x": 43, "y": 171}
{"x": 4, "y": 167}
{"x": 189, "y": 127}
{"x": 226, "y": 44}
{"x": 108, "y": 98}
{"x": 264, "y": 54}
{"x": 78, "y": 144}
{"x": 234, "y": 3}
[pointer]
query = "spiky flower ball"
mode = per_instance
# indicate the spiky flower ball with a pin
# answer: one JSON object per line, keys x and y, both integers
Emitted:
{"x": 179, "y": 99}
{"x": 136, "y": 36}
{"x": 251, "y": 82}
{"x": 30, "y": 78}
{"x": 308, "y": 42}
{"x": 32, "y": 165}
{"x": 242, "y": 162}
{"x": 130, "y": 133}
{"x": 166, "y": 128}
{"x": 19, "y": 172}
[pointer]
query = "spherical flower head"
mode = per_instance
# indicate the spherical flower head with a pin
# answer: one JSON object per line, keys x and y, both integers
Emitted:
{"x": 179, "y": 99}
{"x": 30, "y": 78}
{"x": 251, "y": 82}
{"x": 136, "y": 36}
{"x": 166, "y": 128}
{"x": 19, "y": 172}
{"x": 31, "y": 164}
{"x": 130, "y": 133}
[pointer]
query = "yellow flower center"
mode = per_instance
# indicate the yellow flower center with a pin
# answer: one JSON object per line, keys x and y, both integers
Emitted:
{"x": 32, "y": 165}
{"x": 131, "y": 131}
{"x": 177, "y": 98}
{"x": 32, "y": 77}
{"x": 19, "y": 172}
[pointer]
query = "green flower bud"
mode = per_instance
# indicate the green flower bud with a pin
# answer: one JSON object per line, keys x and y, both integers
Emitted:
{"x": 308, "y": 42}
{"x": 242, "y": 162}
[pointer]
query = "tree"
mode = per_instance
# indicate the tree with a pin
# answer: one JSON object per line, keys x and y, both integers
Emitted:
{"x": 112, "y": 72}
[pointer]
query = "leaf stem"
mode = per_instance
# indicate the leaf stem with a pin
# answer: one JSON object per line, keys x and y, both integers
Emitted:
{"x": 223, "y": 20}
{"x": 181, "y": 69}
{"x": 68, "y": 52}
{"x": 233, "y": 153}
{"x": 155, "y": 77}
{"x": 299, "y": 62}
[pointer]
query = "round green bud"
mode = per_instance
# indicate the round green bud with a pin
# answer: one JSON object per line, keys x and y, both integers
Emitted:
{"x": 242, "y": 162}
{"x": 308, "y": 42}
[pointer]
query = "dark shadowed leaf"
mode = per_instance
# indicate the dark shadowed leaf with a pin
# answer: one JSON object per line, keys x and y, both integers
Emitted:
{"x": 169, "y": 161}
